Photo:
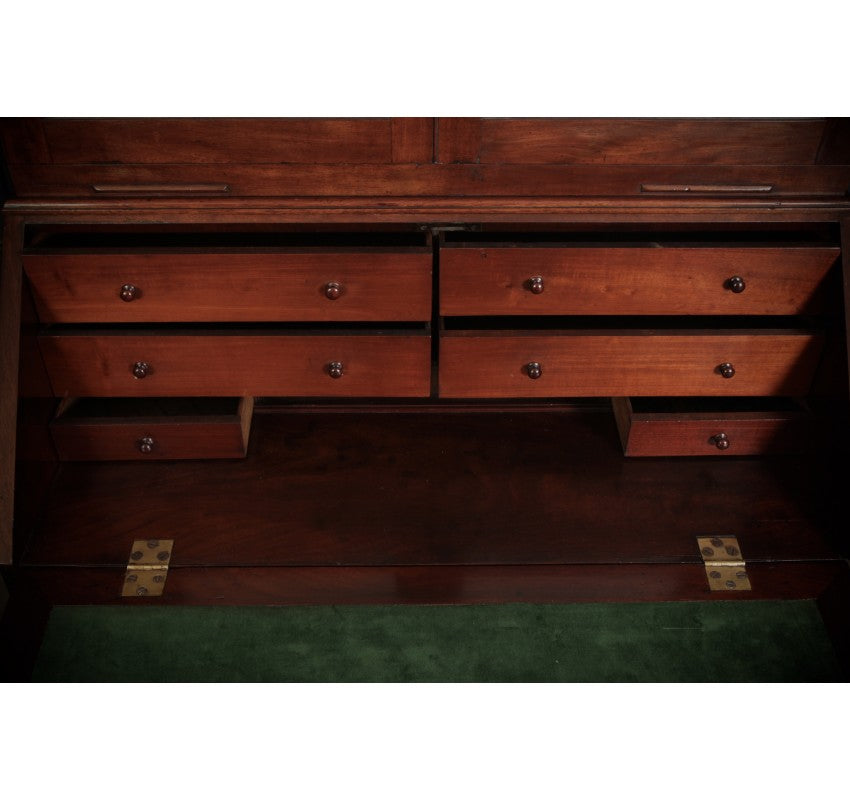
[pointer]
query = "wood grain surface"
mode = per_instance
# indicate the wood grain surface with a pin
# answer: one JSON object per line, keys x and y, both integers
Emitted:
{"x": 234, "y": 365}
{"x": 589, "y": 364}
{"x": 633, "y": 280}
{"x": 231, "y": 287}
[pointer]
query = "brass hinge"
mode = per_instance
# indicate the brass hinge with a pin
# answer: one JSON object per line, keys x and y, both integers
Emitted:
{"x": 724, "y": 563}
{"x": 147, "y": 568}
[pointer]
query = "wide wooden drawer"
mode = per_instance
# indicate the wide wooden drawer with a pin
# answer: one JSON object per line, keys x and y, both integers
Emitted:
{"x": 757, "y": 426}
{"x": 238, "y": 365}
{"x": 610, "y": 364}
{"x": 152, "y": 429}
{"x": 633, "y": 280}
{"x": 234, "y": 287}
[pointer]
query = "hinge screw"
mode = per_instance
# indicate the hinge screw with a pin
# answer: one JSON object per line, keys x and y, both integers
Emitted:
{"x": 715, "y": 574}
{"x": 142, "y": 590}
{"x": 717, "y": 542}
{"x": 132, "y": 577}
{"x": 158, "y": 578}
{"x": 707, "y": 551}
{"x": 136, "y": 556}
{"x": 163, "y": 556}
{"x": 153, "y": 543}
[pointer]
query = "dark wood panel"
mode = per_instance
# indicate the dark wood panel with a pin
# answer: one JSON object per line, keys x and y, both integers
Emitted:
{"x": 237, "y": 365}
{"x": 220, "y": 141}
{"x": 379, "y": 489}
{"x": 412, "y": 140}
{"x": 835, "y": 144}
{"x": 633, "y": 280}
{"x": 24, "y": 141}
{"x": 459, "y": 584}
{"x": 650, "y": 141}
{"x": 10, "y": 321}
{"x": 434, "y": 180}
{"x": 458, "y": 140}
{"x": 235, "y": 287}
{"x": 613, "y": 365}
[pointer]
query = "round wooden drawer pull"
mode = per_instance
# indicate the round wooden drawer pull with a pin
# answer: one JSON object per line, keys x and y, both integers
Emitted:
{"x": 736, "y": 284}
{"x": 535, "y": 284}
{"x": 145, "y": 444}
{"x": 335, "y": 369}
{"x": 128, "y": 292}
{"x": 333, "y": 290}
{"x": 141, "y": 369}
{"x": 720, "y": 441}
{"x": 726, "y": 370}
{"x": 534, "y": 370}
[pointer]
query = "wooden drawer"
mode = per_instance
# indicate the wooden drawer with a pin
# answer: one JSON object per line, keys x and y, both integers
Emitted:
{"x": 633, "y": 280}
{"x": 237, "y": 365}
{"x": 611, "y": 364}
{"x": 697, "y": 428}
{"x": 236, "y": 287}
{"x": 129, "y": 430}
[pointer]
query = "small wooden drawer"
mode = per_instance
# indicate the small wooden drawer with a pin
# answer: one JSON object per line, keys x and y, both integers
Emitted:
{"x": 611, "y": 364}
{"x": 238, "y": 365}
{"x": 633, "y": 280}
{"x": 697, "y": 427}
{"x": 232, "y": 287}
{"x": 150, "y": 429}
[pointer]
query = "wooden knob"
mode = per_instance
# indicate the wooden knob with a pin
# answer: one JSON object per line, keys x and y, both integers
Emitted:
{"x": 335, "y": 369}
{"x": 534, "y": 370}
{"x": 720, "y": 441}
{"x": 726, "y": 370}
{"x": 128, "y": 292}
{"x": 536, "y": 285}
{"x": 736, "y": 284}
{"x": 141, "y": 369}
{"x": 333, "y": 290}
{"x": 145, "y": 444}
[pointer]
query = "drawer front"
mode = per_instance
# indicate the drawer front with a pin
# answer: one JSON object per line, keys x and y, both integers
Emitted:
{"x": 603, "y": 365}
{"x": 239, "y": 287}
{"x": 633, "y": 280}
{"x": 238, "y": 365}
{"x": 147, "y": 438}
{"x": 706, "y": 434}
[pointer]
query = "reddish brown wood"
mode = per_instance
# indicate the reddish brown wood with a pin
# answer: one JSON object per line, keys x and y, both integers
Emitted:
{"x": 572, "y": 213}
{"x": 232, "y": 287}
{"x": 845, "y": 268}
{"x": 421, "y": 489}
{"x": 439, "y": 585}
{"x": 219, "y": 141}
{"x": 695, "y": 434}
{"x": 650, "y": 141}
{"x": 458, "y": 140}
{"x": 237, "y": 365}
{"x": 633, "y": 280}
{"x": 10, "y": 318}
{"x": 587, "y": 364}
{"x": 412, "y": 140}
{"x": 171, "y": 437}
{"x": 426, "y": 180}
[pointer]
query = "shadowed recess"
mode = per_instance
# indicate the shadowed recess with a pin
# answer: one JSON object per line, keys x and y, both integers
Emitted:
{"x": 649, "y": 642}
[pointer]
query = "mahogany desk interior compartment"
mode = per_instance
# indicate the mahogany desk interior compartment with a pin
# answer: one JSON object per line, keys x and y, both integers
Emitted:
{"x": 424, "y": 360}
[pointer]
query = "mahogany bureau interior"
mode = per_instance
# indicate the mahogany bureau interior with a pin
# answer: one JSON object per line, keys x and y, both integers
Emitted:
{"x": 424, "y": 360}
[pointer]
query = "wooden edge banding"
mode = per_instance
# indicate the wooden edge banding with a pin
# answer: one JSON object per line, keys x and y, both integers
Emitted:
{"x": 245, "y": 412}
{"x": 10, "y": 330}
{"x": 845, "y": 266}
{"x": 623, "y": 415}
{"x": 436, "y": 584}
